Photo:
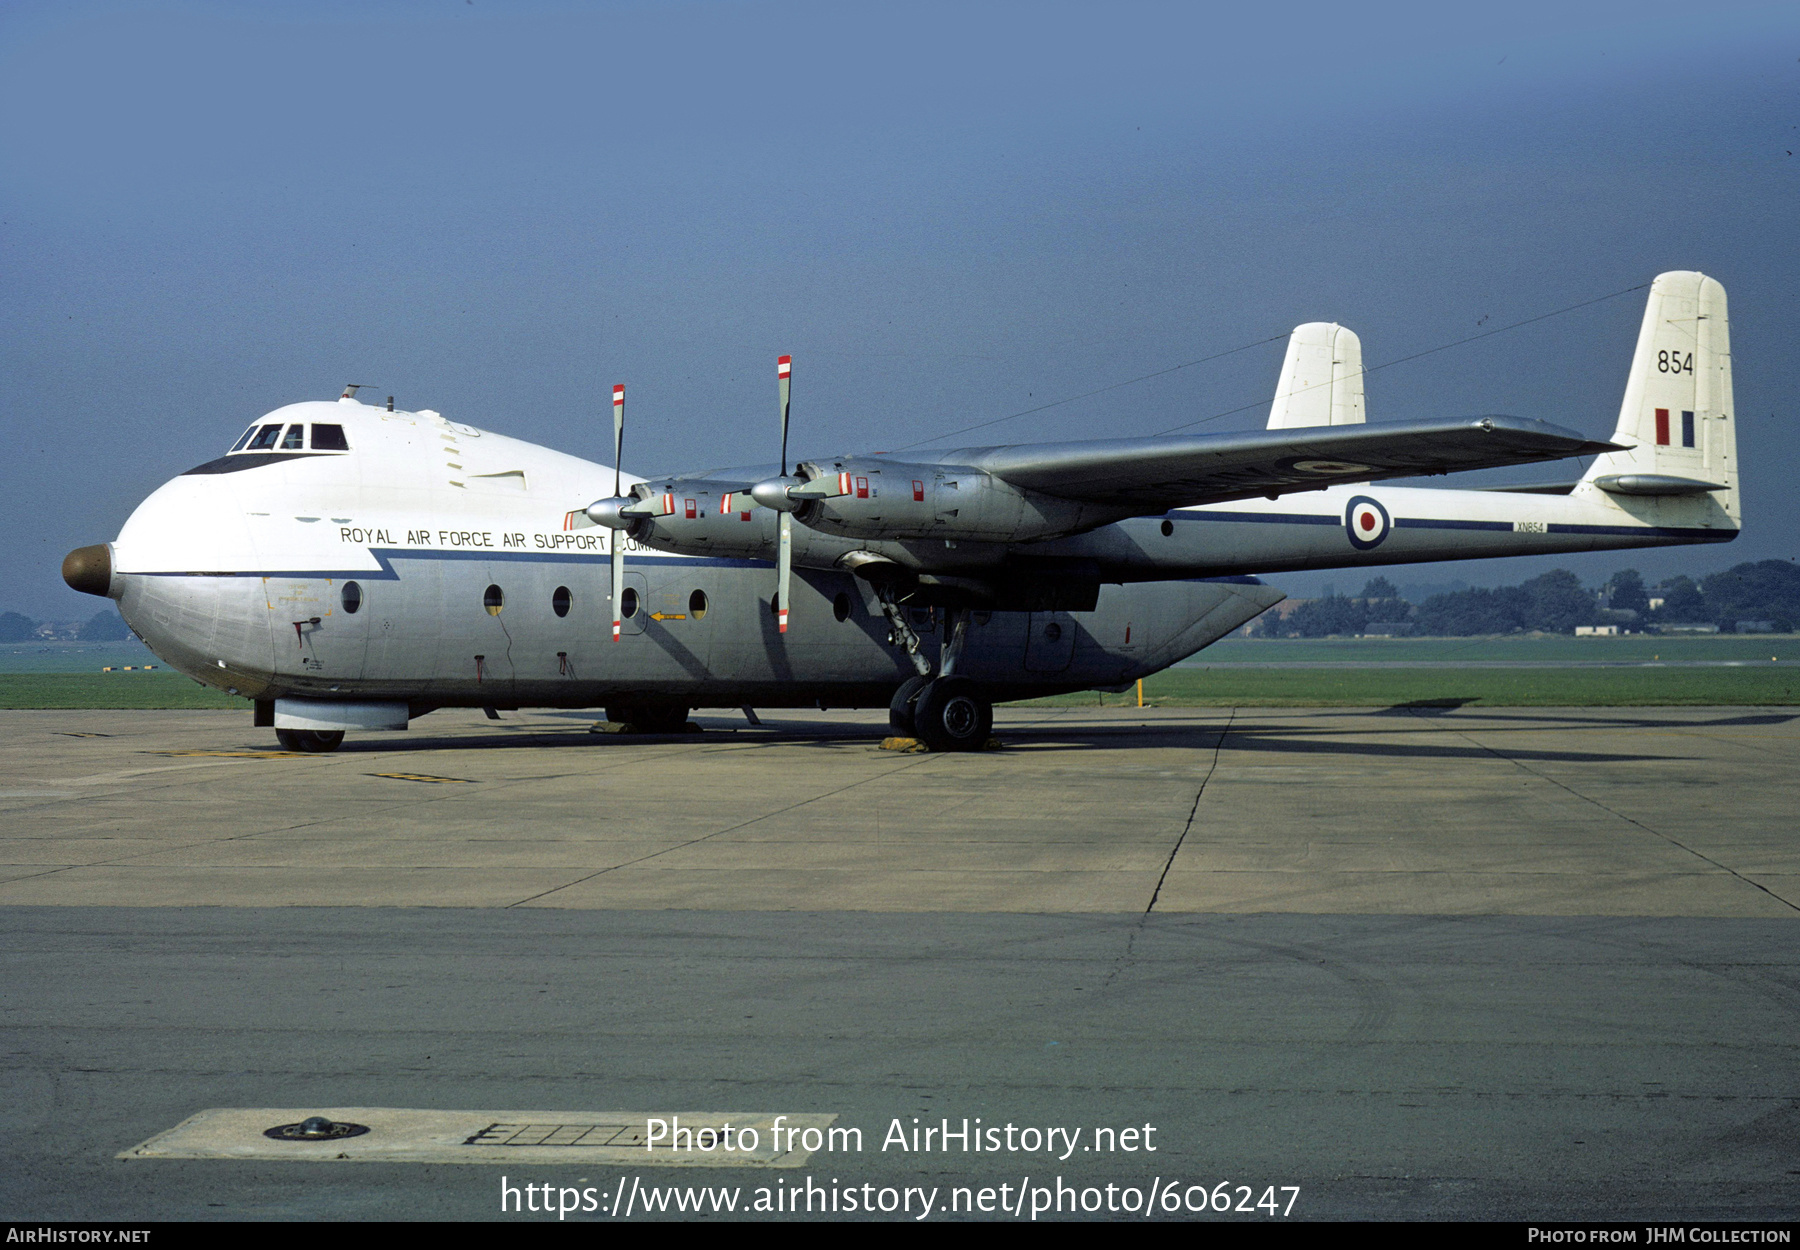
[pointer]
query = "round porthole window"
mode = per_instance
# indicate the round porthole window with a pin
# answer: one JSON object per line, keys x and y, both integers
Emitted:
{"x": 493, "y": 599}
{"x": 840, "y": 606}
{"x": 351, "y": 597}
{"x": 561, "y": 601}
{"x": 1052, "y": 632}
{"x": 697, "y": 604}
{"x": 1168, "y": 528}
{"x": 628, "y": 604}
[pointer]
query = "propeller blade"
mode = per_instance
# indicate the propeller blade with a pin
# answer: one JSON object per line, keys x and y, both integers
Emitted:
{"x": 784, "y": 368}
{"x": 618, "y": 435}
{"x": 784, "y": 545}
{"x": 618, "y": 536}
{"x": 618, "y": 579}
{"x": 784, "y": 568}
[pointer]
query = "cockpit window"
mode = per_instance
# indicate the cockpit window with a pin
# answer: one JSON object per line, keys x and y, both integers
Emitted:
{"x": 291, "y": 437}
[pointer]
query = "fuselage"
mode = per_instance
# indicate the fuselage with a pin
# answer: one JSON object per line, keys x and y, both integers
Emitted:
{"x": 435, "y": 564}
{"x": 343, "y": 552}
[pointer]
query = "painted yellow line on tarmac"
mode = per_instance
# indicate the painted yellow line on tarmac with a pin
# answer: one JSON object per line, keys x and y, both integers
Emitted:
{"x": 461, "y": 781}
{"x": 240, "y": 755}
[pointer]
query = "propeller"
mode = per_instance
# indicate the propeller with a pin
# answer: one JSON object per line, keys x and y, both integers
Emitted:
{"x": 774, "y": 493}
{"x": 787, "y": 494}
{"x": 620, "y": 513}
{"x": 784, "y": 542}
{"x": 618, "y": 537}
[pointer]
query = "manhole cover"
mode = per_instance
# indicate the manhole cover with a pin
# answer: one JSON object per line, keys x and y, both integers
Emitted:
{"x": 318, "y": 1128}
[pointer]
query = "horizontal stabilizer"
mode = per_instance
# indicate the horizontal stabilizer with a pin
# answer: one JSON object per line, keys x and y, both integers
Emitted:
{"x": 1155, "y": 474}
{"x": 1534, "y": 488}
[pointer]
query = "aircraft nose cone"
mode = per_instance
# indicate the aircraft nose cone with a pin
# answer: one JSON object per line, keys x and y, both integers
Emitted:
{"x": 89, "y": 569}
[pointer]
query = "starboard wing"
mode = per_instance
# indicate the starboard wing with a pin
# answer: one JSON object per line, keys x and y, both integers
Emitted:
{"x": 1154, "y": 474}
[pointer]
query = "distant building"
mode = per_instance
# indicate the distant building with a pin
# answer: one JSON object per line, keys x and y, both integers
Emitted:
{"x": 1596, "y": 631}
{"x": 1387, "y": 629}
{"x": 1690, "y": 627}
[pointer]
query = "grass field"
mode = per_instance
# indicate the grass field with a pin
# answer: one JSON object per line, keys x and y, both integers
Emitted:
{"x": 111, "y": 690}
{"x": 1228, "y": 686}
{"x": 72, "y": 657}
{"x": 1230, "y": 673}
{"x": 1549, "y": 649}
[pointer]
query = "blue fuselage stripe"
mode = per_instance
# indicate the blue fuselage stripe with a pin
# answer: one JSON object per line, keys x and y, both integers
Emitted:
{"x": 385, "y": 557}
{"x": 1427, "y": 523}
{"x": 1435, "y": 523}
{"x": 1258, "y": 518}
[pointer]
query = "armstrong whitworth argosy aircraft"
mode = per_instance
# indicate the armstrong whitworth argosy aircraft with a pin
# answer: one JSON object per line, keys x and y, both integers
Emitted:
{"x": 347, "y": 567}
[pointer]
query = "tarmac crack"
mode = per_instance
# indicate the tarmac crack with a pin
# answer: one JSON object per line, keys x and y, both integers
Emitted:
{"x": 360, "y": 817}
{"x": 1656, "y": 833}
{"x": 1128, "y": 955}
{"x": 1212, "y": 767}
{"x": 719, "y": 833}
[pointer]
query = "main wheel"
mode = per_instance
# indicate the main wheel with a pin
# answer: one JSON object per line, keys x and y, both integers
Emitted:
{"x": 661, "y": 718}
{"x": 312, "y": 741}
{"x": 952, "y": 715}
{"x": 904, "y": 704}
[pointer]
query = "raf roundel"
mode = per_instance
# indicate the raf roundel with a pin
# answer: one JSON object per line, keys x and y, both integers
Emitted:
{"x": 1366, "y": 521}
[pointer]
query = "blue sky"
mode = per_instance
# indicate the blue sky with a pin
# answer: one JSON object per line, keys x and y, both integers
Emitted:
{"x": 946, "y": 213}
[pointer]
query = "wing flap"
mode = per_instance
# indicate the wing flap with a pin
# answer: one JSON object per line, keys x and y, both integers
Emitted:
{"x": 1154, "y": 474}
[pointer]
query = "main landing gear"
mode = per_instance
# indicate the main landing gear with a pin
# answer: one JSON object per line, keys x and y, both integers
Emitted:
{"x": 944, "y": 711}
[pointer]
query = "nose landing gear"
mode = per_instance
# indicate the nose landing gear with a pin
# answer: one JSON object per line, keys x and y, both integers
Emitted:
{"x": 311, "y": 741}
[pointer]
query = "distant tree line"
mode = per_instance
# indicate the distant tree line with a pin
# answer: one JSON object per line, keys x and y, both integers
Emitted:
{"x": 1766, "y": 592}
{"x": 105, "y": 625}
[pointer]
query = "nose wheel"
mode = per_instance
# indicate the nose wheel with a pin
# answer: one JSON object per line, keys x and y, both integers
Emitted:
{"x": 311, "y": 741}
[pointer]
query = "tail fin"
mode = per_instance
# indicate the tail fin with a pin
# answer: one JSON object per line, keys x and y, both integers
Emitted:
{"x": 1677, "y": 419}
{"x": 1321, "y": 379}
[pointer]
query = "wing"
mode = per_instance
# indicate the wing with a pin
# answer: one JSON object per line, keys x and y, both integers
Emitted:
{"x": 1155, "y": 474}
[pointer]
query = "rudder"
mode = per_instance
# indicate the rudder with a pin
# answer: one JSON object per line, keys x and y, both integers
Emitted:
{"x": 1321, "y": 378}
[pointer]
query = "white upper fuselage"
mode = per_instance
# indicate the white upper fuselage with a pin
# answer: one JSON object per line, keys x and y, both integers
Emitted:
{"x": 407, "y": 480}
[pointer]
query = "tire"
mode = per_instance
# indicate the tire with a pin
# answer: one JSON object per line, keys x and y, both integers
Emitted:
{"x": 904, "y": 704}
{"x": 953, "y": 715}
{"x": 659, "y": 719}
{"x": 311, "y": 741}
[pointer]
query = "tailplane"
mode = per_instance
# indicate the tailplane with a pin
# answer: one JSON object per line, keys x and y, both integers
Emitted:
{"x": 1676, "y": 422}
{"x": 1321, "y": 379}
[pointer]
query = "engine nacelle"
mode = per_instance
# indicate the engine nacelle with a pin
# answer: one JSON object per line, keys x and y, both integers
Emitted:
{"x": 692, "y": 516}
{"x": 875, "y": 499}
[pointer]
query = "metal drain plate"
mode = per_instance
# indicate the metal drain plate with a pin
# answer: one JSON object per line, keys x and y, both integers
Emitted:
{"x": 417, "y": 1135}
{"x": 316, "y": 1129}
